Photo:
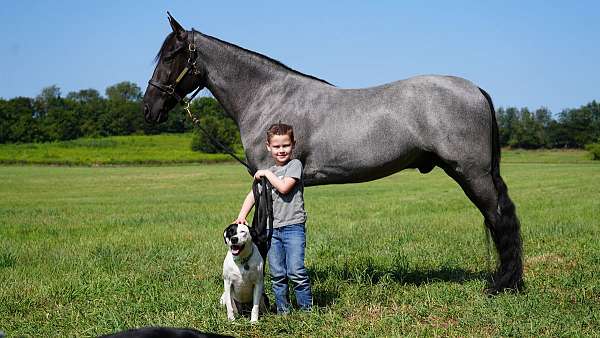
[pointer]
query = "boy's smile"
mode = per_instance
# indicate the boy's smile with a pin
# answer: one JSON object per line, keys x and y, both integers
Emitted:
{"x": 281, "y": 147}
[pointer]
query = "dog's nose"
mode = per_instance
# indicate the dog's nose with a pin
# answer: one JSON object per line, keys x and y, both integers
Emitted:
{"x": 234, "y": 240}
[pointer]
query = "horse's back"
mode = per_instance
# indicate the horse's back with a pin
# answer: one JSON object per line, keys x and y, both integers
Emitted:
{"x": 372, "y": 132}
{"x": 451, "y": 115}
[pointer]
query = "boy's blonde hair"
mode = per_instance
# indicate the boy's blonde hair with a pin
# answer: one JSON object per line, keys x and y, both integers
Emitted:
{"x": 280, "y": 129}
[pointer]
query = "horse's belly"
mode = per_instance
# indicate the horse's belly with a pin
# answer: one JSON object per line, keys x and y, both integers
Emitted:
{"x": 358, "y": 167}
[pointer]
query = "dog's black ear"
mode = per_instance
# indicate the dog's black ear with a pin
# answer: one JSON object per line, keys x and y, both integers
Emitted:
{"x": 253, "y": 233}
{"x": 230, "y": 231}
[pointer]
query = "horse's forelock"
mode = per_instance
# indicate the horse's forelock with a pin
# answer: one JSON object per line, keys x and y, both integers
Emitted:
{"x": 165, "y": 46}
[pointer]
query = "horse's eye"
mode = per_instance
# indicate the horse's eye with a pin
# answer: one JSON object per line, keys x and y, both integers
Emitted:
{"x": 171, "y": 55}
{"x": 169, "y": 58}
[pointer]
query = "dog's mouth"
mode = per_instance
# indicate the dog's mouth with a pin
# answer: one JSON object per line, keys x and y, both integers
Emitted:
{"x": 236, "y": 249}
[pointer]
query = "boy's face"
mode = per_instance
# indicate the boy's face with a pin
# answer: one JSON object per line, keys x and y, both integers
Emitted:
{"x": 281, "y": 147}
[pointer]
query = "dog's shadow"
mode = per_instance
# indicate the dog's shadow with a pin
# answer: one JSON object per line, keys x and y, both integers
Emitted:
{"x": 327, "y": 278}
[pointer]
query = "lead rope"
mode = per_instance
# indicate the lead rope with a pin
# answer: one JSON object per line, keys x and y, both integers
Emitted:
{"x": 212, "y": 139}
{"x": 196, "y": 120}
{"x": 262, "y": 222}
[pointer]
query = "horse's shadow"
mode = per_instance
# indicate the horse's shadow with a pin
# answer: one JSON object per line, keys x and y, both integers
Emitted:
{"x": 370, "y": 273}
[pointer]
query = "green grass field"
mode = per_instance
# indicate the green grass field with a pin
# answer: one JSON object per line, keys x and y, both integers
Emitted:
{"x": 114, "y": 150}
{"x": 168, "y": 149}
{"x": 89, "y": 250}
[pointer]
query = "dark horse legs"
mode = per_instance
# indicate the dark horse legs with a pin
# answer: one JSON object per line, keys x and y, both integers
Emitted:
{"x": 489, "y": 193}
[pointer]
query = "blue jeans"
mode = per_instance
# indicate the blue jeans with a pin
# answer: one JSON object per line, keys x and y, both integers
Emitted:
{"x": 286, "y": 262}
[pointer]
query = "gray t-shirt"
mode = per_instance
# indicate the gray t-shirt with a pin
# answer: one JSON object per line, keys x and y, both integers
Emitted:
{"x": 289, "y": 208}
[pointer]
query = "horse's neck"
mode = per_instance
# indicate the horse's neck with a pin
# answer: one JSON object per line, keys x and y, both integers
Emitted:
{"x": 238, "y": 78}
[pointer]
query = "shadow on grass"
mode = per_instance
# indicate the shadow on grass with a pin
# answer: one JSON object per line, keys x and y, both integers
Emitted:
{"x": 366, "y": 271}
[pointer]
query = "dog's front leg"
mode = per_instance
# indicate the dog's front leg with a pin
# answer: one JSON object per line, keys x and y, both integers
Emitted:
{"x": 256, "y": 298}
{"x": 228, "y": 299}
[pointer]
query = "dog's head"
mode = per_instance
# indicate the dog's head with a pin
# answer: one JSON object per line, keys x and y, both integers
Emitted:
{"x": 237, "y": 237}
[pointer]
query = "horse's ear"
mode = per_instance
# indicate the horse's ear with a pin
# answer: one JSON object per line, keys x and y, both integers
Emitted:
{"x": 177, "y": 28}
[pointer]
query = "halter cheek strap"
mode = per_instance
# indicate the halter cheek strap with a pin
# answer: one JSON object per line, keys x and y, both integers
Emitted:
{"x": 191, "y": 65}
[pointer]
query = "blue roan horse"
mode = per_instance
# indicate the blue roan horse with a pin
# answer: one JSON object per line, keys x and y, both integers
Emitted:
{"x": 351, "y": 135}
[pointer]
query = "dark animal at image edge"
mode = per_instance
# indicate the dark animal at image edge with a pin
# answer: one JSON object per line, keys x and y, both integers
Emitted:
{"x": 163, "y": 332}
{"x": 351, "y": 135}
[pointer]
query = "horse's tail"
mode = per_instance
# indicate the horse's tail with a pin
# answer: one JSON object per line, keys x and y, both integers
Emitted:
{"x": 505, "y": 231}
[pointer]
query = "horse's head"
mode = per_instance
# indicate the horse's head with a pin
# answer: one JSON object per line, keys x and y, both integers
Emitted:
{"x": 178, "y": 72}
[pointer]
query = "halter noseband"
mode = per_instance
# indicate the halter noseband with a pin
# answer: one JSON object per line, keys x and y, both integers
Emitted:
{"x": 169, "y": 89}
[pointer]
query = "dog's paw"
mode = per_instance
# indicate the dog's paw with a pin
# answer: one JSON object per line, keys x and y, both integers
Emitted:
{"x": 254, "y": 315}
{"x": 231, "y": 318}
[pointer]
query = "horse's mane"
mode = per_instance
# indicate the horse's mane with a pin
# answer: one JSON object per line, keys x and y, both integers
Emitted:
{"x": 262, "y": 56}
{"x": 170, "y": 38}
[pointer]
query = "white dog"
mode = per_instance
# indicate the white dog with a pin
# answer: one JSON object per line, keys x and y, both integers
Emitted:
{"x": 243, "y": 274}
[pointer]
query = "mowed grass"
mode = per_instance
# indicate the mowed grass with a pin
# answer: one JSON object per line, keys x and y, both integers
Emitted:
{"x": 86, "y": 251}
{"x": 168, "y": 149}
{"x": 114, "y": 150}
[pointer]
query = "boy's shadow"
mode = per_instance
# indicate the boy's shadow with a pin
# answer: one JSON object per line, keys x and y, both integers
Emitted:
{"x": 328, "y": 277}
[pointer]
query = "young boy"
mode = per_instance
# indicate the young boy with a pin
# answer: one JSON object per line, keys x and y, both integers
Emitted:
{"x": 286, "y": 256}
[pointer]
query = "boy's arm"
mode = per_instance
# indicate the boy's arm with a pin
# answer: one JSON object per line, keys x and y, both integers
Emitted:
{"x": 284, "y": 185}
{"x": 246, "y": 207}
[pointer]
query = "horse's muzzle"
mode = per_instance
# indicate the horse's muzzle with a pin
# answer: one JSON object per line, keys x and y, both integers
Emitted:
{"x": 158, "y": 117}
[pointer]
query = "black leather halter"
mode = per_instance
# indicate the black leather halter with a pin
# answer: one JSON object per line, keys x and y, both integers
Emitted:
{"x": 169, "y": 89}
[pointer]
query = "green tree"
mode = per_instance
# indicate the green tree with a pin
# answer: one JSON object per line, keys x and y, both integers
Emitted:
{"x": 543, "y": 120}
{"x": 55, "y": 116}
{"x": 48, "y": 97}
{"x": 89, "y": 106}
{"x": 520, "y": 128}
{"x": 123, "y": 113}
{"x": 214, "y": 120}
{"x": 17, "y": 123}
{"x": 508, "y": 121}
{"x": 124, "y": 91}
{"x": 177, "y": 122}
{"x": 527, "y": 133}
{"x": 581, "y": 126}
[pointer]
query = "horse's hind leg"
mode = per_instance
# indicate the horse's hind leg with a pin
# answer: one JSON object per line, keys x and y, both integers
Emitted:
{"x": 481, "y": 191}
{"x": 480, "y": 187}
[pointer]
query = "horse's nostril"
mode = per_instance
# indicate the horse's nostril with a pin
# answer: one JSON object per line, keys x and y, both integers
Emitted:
{"x": 146, "y": 110}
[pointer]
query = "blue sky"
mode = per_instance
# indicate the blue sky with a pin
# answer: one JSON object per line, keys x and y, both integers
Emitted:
{"x": 534, "y": 53}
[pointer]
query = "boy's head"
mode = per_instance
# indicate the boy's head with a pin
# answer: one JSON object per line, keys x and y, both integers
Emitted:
{"x": 280, "y": 142}
{"x": 280, "y": 129}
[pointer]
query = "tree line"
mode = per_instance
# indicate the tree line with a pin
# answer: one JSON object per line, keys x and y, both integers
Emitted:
{"x": 573, "y": 128}
{"x": 86, "y": 113}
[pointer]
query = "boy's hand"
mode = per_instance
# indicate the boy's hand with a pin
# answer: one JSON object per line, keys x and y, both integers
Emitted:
{"x": 240, "y": 221}
{"x": 260, "y": 173}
